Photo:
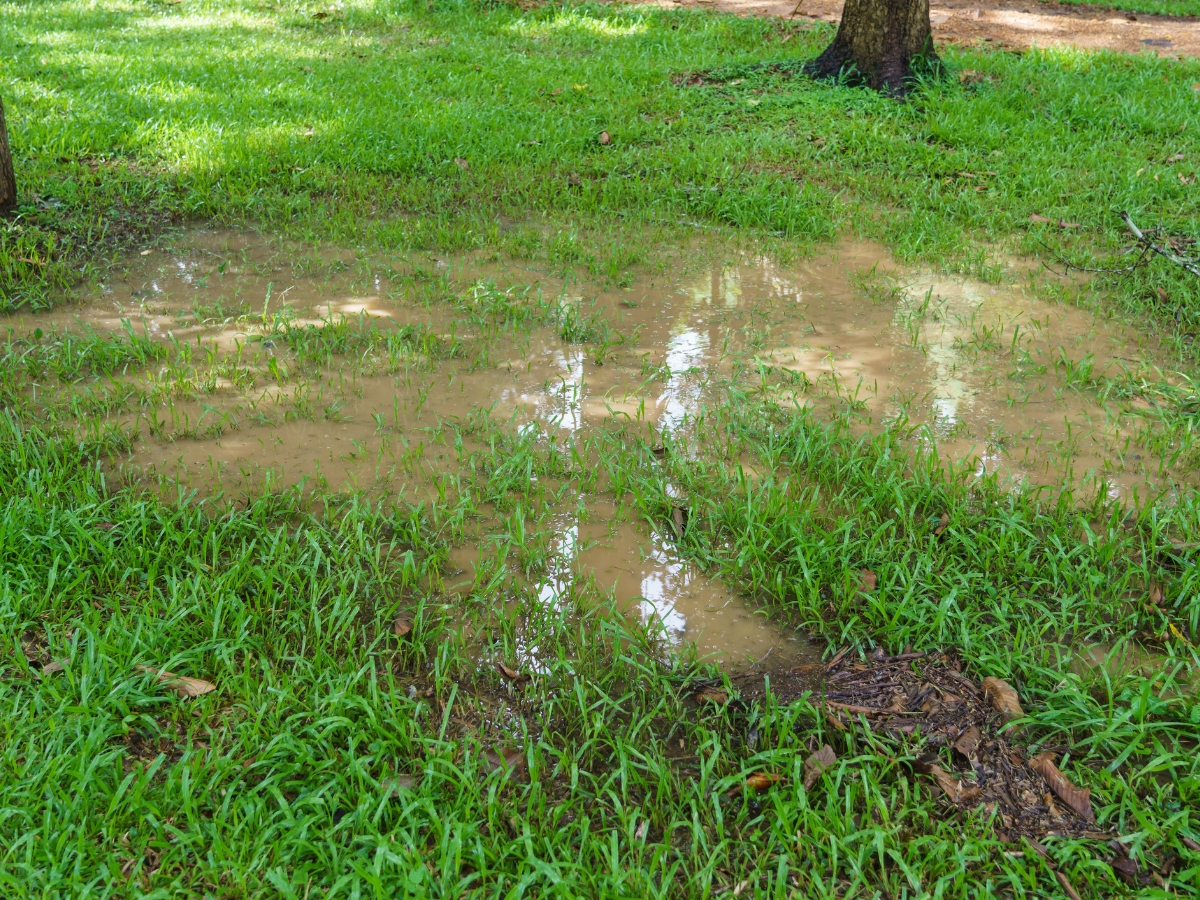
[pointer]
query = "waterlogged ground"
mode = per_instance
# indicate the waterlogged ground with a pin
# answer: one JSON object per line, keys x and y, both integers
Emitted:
{"x": 263, "y": 378}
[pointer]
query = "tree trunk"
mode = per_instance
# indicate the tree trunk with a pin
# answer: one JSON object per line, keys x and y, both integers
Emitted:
{"x": 8, "y": 177}
{"x": 883, "y": 44}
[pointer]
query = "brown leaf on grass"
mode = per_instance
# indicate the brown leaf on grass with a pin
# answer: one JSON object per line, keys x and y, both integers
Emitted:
{"x": 402, "y": 626}
{"x": 1059, "y": 223}
{"x": 55, "y": 665}
{"x": 968, "y": 742}
{"x": 816, "y": 764}
{"x": 712, "y": 695}
{"x": 1194, "y": 846}
{"x": 867, "y": 580}
{"x": 951, "y": 786}
{"x": 835, "y": 722}
{"x": 462, "y": 164}
{"x": 605, "y": 138}
{"x": 1002, "y": 697}
{"x": 510, "y": 674}
{"x": 943, "y": 522}
{"x": 1156, "y": 594}
{"x": 1078, "y": 800}
{"x": 759, "y": 781}
{"x": 508, "y": 758}
{"x": 106, "y": 526}
{"x": 574, "y": 180}
{"x": 1162, "y": 295}
{"x": 181, "y": 684}
{"x": 393, "y": 786}
{"x": 1126, "y": 869}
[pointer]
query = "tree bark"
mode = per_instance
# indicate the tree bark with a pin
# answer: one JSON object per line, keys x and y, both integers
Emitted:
{"x": 8, "y": 177}
{"x": 883, "y": 44}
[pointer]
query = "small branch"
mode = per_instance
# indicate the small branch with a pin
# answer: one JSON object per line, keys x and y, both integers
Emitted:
{"x": 1185, "y": 264}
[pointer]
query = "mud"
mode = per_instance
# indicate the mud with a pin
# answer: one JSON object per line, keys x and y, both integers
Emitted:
{"x": 989, "y": 373}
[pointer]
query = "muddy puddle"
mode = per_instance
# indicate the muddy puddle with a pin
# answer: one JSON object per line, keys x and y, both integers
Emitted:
{"x": 646, "y": 578}
{"x": 989, "y": 372}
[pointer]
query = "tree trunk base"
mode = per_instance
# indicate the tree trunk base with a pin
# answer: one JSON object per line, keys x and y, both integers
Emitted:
{"x": 886, "y": 45}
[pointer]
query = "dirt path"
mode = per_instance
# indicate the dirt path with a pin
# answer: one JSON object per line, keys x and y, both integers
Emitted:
{"x": 1008, "y": 24}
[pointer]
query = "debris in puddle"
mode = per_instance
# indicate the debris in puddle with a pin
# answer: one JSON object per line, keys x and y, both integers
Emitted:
{"x": 511, "y": 674}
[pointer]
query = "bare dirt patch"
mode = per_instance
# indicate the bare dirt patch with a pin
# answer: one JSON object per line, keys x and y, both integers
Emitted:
{"x": 1005, "y": 24}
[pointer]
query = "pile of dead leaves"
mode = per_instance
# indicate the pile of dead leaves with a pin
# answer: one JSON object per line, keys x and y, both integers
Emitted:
{"x": 971, "y": 754}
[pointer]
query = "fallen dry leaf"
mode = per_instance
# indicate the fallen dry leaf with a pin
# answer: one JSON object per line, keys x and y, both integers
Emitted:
{"x": 574, "y": 180}
{"x": 393, "y": 786}
{"x": 1126, "y": 869}
{"x": 180, "y": 684}
{"x": 942, "y": 523}
{"x": 1194, "y": 846}
{"x": 1002, "y": 697}
{"x": 401, "y": 626}
{"x": 952, "y": 787}
{"x": 712, "y": 695}
{"x": 760, "y": 781}
{"x": 679, "y": 518}
{"x": 507, "y": 758}
{"x": 816, "y": 764}
{"x": 867, "y": 580}
{"x": 1042, "y": 220}
{"x": 1162, "y": 295}
{"x": 1156, "y": 594}
{"x": 55, "y": 665}
{"x": 968, "y": 742}
{"x": 605, "y": 138}
{"x": 510, "y": 674}
{"x": 462, "y": 164}
{"x": 1078, "y": 800}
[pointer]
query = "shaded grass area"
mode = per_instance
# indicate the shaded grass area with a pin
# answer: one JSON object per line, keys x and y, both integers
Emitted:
{"x": 416, "y": 125}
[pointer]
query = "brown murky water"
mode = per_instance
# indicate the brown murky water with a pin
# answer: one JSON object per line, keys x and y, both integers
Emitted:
{"x": 992, "y": 373}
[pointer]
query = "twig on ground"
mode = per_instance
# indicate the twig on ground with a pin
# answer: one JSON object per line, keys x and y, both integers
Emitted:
{"x": 1146, "y": 242}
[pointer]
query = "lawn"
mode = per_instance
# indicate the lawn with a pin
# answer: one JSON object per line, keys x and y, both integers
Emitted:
{"x": 368, "y": 734}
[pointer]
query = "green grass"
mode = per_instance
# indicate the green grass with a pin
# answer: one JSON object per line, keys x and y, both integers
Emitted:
{"x": 1156, "y": 7}
{"x": 124, "y": 115}
{"x": 338, "y": 760}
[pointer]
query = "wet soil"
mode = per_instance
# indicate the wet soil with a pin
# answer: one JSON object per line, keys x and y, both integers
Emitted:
{"x": 988, "y": 370}
{"x": 1007, "y": 24}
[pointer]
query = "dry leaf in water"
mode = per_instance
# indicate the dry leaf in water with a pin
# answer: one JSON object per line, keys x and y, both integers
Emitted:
{"x": 816, "y": 764}
{"x": 1002, "y": 697}
{"x": 605, "y": 138}
{"x": 402, "y": 626}
{"x": 679, "y": 520}
{"x": 510, "y": 674}
{"x": 180, "y": 684}
{"x": 867, "y": 580}
{"x": 1078, "y": 800}
{"x": 943, "y": 522}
